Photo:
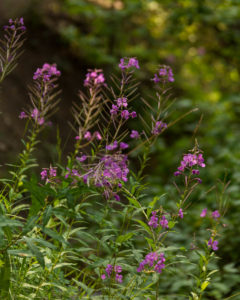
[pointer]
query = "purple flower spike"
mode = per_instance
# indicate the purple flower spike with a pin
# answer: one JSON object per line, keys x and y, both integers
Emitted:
{"x": 88, "y": 135}
{"x": 122, "y": 102}
{"x": 125, "y": 114}
{"x": 82, "y": 158}
{"x": 126, "y": 63}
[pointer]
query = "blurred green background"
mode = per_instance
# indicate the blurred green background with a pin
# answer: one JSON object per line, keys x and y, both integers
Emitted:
{"x": 199, "y": 39}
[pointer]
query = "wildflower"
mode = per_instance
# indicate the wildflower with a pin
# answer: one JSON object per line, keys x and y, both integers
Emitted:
{"x": 88, "y": 135}
{"x": 165, "y": 74}
{"x": 189, "y": 160}
{"x": 164, "y": 222}
{"x": 134, "y": 134}
{"x": 216, "y": 214}
{"x": 126, "y": 63}
{"x": 52, "y": 172}
{"x": 153, "y": 259}
{"x": 23, "y": 115}
{"x": 123, "y": 145}
{"x": 125, "y": 114}
{"x": 44, "y": 174}
{"x": 203, "y": 213}
{"x": 153, "y": 220}
{"x": 180, "y": 213}
{"x": 82, "y": 158}
{"x": 17, "y": 24}
{"x": 98, "y": 135}
{"x": 77, "y": 137}
{"x": 112, "y": 146}
{"x": 47, "y": 72}
{"x": 133, "y": 114}
{"x": 122, "y": 102}
{"x": 94, "y": 78}
{"x": 114, "y": 110}
{"x": 117, "y": 197}
{"x": 35, "y": 113}
{"x": 158, "y": 127}
{"x": 103, "y": 276}
{"x": 119, "y": 278}
{"x": 40, "y": 121}
{"x": 109, "y": 269}
{"x": 213, "y": 244}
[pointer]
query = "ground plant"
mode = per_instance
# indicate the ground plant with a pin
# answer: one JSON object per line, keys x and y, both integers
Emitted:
{"x": 89, "y": 226}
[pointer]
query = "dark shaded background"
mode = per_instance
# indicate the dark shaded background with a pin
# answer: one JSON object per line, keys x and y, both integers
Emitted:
{"x": 200, "y": 40}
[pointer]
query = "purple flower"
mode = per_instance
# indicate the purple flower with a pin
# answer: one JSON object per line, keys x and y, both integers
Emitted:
{"x": 189, "y": 160}
{"x": 88, "y": 135}
{"x": 40, "y": 121}
{"x": 47, "y": 72}
{"x": 158, "y": 127}
{"x": 134, "y": 134}
{"x": 82, "y": 158}
{"x": 98, "y": 135}
{"x": 109, "y": 270}
{"x": 17, "y": 24}
{"x": 122, "y": 102}
{"x": 35, "y": 113}
{"x": 195, "y": 172}
{"x": 180, "y": 213}
{"x": 164, "y": 74}
{"x": 23, "y": 115}
{"x": 94, "y": 78}
{"x": 125, "y": 114}
{"x": 126, "y": 63}
{"x": 44, "y": 174}
{"x": 52, "y": 172}
{"x": 118, "y": 269}
{"x": 112, "y": 146}
{"x": 133, "y": 114}
{"x": 164, "y": 222}
{"x": 119, "y": 278}
{"x": 216, "y": 214}
{"x": 213, "y": 244}
{"x": 114, "y": 110}
{"x": 153, "y": 220}
{"x": 77, "y": 137}
{"x": 117, "y": 197}
{"x": 177, "y": 173}
{"x": 153, "y": 260}
{"x": 203, "y": 213}
{"x": 103, "y": 276}
{"x": 123, "y": 145}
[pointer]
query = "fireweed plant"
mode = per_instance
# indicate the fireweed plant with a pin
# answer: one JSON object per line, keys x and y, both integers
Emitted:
{"x": 87, "y": 229}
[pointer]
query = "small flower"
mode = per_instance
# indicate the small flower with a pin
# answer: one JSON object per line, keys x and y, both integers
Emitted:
{"x": 118, "y": 269}
{"x": 177, "y": 173}
{"x": 203, "y": 213}
{"x": 103, "y": 276}
{"x": 180, "y": 213}
{"x": 134, "y": 134}
{"x": 122, "y": 102}
{"x": 133, "y": 114}
{"x": 81, "y": 158}
{"x": 125, "y": 114}
{"x": 216, "y": 214}
{"x": 44, "y": 174}
{"x": 23, "y": 115}
{"x": 41, "y": 121}
{"x": 119, "y": 278}
{"x": 195, "y": 172}
{"x": 88, "y": 135}
{"x": 164, "y": 222}
{"x": 109, "y": 270}
{"x": 213, "y": 244}
{"x": 114, "y": 110}
{"x": 159, "y": 126}
{"x": 112, "y": 146}
{"x": 98, "y": 135}
{"x": 117, "y": 197}
{"x": 123, "y": 145}
{"x": 52, "y": 172}
{"x": 164, "y": 74}
{"x": 153, "y": 220}
{"x": 77, "y": 137}
{"x": 126, "y": 63}
{"x": 94, "y": 78}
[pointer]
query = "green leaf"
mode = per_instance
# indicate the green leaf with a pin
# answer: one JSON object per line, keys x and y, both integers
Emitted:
{"x": 204, "y": 285}
{"x": 35, "y": 251}
{"x": 47, "y": 214}
{"x": 144, "y": 225}
{"x": 5, "y": 273}
{"x": 123, "y": 238}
